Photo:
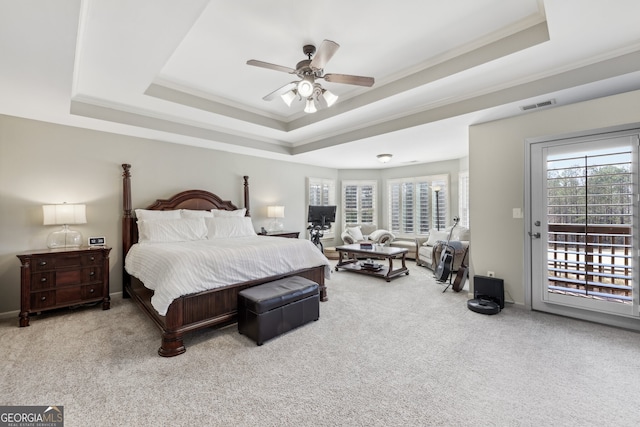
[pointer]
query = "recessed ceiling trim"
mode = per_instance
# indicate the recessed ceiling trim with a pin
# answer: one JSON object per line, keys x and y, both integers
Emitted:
{"x": 87, "y": 109}
{"x": 516, "y": 42}
{"x": 201, "y": 103}
{"x": 588, "y": 74}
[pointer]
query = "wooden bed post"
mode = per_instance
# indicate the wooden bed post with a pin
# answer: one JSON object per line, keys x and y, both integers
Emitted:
{"x": 246, "y": 194}
{"x": 126, "y": 223}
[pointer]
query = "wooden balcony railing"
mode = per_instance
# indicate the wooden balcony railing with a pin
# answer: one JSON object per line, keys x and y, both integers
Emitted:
{"x": 593, "y": 261}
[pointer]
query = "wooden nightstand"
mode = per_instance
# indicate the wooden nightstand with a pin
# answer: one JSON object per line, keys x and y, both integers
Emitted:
{"x": 57, "y": 278}
{"x": 289, "y": 234}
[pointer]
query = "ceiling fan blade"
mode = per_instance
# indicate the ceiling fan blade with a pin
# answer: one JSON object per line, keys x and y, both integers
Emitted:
{"x": 280, "y": 91}
{"x": 324, "y": 54}
{"x": 350, "y": 80}
{"x": 263, "y": 64}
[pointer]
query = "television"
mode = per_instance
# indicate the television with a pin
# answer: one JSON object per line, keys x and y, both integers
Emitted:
{"x": 322, "y": 215}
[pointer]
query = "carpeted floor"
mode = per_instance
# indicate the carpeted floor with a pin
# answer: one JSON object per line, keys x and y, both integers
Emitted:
{"x": 382, "y": 354}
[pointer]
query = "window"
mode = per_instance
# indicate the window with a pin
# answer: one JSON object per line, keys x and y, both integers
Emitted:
{"x": 359, "y": 202}
{"x": 463, "y": 198}
{"x": 322, "y": 192}
{"x": 416, "y": 205}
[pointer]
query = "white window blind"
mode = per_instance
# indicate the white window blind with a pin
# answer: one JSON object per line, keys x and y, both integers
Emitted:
{"x": 359, "y": 202}
{"x": 413, "y": 207}
{"x": 322, "y": 192}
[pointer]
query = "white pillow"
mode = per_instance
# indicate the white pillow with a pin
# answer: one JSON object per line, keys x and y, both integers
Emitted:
{"x": 144, "y": 214}
{"x": 355, "y": 232}
{"x": 229, "y": 227}
{"x": 190, "y": 213}
{"x": 378, "y": 234}
{"x": 219, "y": 213}
{"x": 171, "y": 230}
{"x": 435, "y": 236}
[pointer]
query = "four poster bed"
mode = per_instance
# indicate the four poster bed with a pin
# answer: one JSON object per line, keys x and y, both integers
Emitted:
{"x": 209, "y": 307}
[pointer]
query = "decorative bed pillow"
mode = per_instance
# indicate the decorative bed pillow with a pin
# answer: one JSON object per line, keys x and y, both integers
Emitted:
{"x": 220, "y": 213}
{"x": 190, "y": 213}
{"x": 171, "y": 230}
{"x": 381, "y": 235}
{"x": 356, "y": 233}
{"x": 229, "y": 227}
{"x": 435, "y": 236}
{"x": 144, "y": 214}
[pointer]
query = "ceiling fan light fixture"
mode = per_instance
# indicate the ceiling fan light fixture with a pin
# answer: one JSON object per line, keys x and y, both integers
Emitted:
{"x": 384, "y": 158}
{"x": 310, "y": 107}
{"x": 305, "y": 87}
{"x": 288, "y": 97}
{"x": 330, "y": 97}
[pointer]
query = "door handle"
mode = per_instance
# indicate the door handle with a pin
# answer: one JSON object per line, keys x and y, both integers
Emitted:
{"x": 534, "y": 235}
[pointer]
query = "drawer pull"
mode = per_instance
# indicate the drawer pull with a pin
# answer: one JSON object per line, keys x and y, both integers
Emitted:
{"x": 43, "y": 298}
{"x": 44, "y": 279}
{"x": 92, "y": 258}
{"x": 91, "y": 290}
{"x": 42, "y": 263}
{"x": 93, "y": 273}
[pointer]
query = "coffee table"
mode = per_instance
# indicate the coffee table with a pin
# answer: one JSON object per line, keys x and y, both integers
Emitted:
{"x": 349, "y": 254}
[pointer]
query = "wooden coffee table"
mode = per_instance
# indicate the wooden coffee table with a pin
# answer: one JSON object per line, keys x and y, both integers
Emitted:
{"x": 349, "y": 254}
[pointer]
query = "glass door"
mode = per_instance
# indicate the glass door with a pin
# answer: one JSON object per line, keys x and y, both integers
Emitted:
{"x": 584, "y": 196}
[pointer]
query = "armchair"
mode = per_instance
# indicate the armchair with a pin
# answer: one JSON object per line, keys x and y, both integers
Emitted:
{"x": 356, "y": 233}
{"x": 428, "y": 253}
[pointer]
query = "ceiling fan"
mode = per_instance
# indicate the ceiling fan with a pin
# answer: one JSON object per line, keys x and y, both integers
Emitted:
{"x": 308, "y": 70}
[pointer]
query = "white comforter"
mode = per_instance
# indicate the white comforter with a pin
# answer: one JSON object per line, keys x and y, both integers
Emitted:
{"x": 175, "y": 269}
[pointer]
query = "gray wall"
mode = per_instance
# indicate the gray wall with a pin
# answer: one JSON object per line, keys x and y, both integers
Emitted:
{"x": 496, "y": 178}
{"x": 42, "y": 163}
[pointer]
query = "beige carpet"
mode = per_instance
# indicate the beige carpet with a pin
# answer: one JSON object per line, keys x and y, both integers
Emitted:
{"x": 382, "y": 354}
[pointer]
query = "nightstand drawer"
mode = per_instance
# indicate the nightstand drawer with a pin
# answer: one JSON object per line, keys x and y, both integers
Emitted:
{"x": 91, "y": 291}
{"x": 42, "y": 263}
{"x": 41, "y": 300}
{"x": 68, "y": 277}
{"x": 68, "y": 295}
{"x": 91, "y": 274}
{"x": 93, "y": 259}
{"x": 41, "y": 281}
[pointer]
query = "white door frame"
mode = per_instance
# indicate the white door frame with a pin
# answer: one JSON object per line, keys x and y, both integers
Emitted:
{"x": 529, "y": 202}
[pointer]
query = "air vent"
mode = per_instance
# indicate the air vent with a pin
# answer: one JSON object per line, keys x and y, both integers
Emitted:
{"x": 538, "y": 105}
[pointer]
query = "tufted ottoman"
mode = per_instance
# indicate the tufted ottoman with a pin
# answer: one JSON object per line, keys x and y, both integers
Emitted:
{"x": 273, "y": 308}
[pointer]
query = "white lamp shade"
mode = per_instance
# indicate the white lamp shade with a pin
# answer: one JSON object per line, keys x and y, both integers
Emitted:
{"x": 310, "y": 107}
{"x": 288, "y": 97}
{"x": 330, "y": 97}
{"x": 275, "y": 211}
{"x": 64, "y": 214}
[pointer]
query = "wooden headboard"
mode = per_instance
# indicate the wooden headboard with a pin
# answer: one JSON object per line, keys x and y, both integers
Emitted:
{"x": 190, "y": 199}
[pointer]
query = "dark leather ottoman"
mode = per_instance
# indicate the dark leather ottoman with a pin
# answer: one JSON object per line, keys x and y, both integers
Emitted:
{"x": 273, "y": 308}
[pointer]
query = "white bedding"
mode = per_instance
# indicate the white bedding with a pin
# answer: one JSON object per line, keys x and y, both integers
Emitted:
{"x": 181, "y": 268}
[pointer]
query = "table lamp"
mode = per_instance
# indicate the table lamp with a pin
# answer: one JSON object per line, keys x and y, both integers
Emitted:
{"x": 64, "y": 214}
{"x": 275, "y": 212}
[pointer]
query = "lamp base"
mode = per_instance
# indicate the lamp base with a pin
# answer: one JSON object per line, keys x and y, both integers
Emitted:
{"x": 276, "y": 225}
{"x": 64, "y": 238}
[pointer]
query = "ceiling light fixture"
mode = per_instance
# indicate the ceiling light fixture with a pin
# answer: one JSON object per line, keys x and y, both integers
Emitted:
{"x": 305, "y": 87}
{"x": 384, "y": 158}
{"x": 311, "y": 106}
{"x": 289, "y": 96}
